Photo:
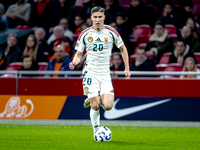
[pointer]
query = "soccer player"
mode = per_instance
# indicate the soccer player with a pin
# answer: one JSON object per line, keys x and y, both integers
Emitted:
{"x": 98, "y": 41}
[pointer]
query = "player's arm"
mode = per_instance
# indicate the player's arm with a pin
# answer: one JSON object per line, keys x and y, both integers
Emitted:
{"x": 76, "y": 60}
{"x": 126, "y": 61}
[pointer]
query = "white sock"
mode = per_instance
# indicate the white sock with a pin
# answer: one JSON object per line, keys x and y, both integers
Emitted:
{"x": 94, "y": 117}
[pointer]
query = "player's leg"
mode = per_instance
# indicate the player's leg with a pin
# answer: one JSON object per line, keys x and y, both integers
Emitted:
{"x": 91, "y": 88}
{"x": 94, "y": 112}
{"x": 107, "y": 93}
{"x": 107, "y": 101}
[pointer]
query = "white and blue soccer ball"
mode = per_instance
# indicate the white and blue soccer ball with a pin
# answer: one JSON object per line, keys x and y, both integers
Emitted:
{"x": 102, "y": 134}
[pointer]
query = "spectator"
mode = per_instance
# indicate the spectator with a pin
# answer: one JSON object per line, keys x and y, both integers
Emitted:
{"x": 78, "y": 21}
{"x": 60, "y": 63}
{"x": 33, "y": 50}
{"x": 67, "y": 33}
{"x": 114, "y": 25}
{"x": 112, "y": 7}
{"x": 1, "y": 10}
{"x": 117, "y": 63}
{"x": 17, "y": 14}
{"x": 190, "y": 39}
{"x": 185, "y": 12}
{"x": 40, "y": 36}
{"x": 159, "y": 43}
{"x": 168, "y": 15}
{"x": 181, "y": 52}
{"x": 62, "y": 10}
{"x": 41, "y": 14}
{"x": 142, "y": 62}
{"x": 11, "y": 53}
{"x": 58, "y": 32}
{"x": 190, "y": 66}
{"x": 192, "y": 25}
{"x": 27, "y": 65}
{"x": 139, "y": 14}
{"x": 122, "y": 27}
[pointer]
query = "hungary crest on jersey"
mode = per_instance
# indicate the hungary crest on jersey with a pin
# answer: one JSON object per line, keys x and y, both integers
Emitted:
{"x": 90, "y": 39}
{"x": 106, "y": 39}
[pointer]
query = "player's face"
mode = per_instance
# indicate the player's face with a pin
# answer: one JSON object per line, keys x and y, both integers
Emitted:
{"x": 98, "y": 20}
{"x": 189, "y": 65}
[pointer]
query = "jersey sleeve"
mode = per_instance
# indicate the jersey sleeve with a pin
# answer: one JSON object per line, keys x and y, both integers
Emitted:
{"x": 118, "y": 41}
{"x": 80, "y": 44}
{"x": 116, "y": 36}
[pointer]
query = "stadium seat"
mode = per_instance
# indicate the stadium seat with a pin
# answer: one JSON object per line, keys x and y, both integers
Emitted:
{"x": 174, "y": 67}
{"x": 22, "y": 27}
{"x": 161, "y": 67}
{"x": 131, "y": 59}
{"x": 197, "y": 56}
{"x": 153, "y": 8}
{"x": 141, "y": 30}
{"x": 14, "y": 66}
{"x": 42, "y": 66}
{"x": 143, "y": 39}
{"x": 171, "y": 29}
{"x": 165, "y": 58}
{"x": 125, "y": 3}
{"x": 196, "y": 11}
{"x": 78, "y": 8}
{"x": 139, "y": 45}
{"x": 198, "y": 66}
{"x": 196, "y": 2}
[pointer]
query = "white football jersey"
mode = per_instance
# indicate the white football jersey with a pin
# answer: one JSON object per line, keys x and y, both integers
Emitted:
{"x": 98, "y": 45}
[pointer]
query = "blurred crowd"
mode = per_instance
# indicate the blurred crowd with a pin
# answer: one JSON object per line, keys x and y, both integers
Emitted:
{"x": 158, "y": 34}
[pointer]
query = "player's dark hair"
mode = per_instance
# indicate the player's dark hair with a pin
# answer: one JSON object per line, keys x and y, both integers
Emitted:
{"x": 97, "y": 9}
{"x": 180, "y": 40}
{"x": 24, "y": 56}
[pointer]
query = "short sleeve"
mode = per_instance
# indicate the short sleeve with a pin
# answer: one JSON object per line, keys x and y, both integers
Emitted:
{"x": 118, "y": 41}
{"x": 80, "y": 44}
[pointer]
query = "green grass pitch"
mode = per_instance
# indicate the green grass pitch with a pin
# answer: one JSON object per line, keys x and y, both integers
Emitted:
{"x": 27, "y": 137}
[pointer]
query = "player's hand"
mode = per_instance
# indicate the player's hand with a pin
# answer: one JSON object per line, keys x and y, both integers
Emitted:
{"x": 127, "y": 74}
{"x": 71, "y": 65}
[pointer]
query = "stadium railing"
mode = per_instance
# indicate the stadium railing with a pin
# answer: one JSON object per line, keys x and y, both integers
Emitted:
{"x": 117, "y": 73}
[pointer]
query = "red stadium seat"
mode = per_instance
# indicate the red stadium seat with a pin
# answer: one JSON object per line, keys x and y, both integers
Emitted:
{"x": 165, "y": 58}
{"x": 153, "y": 8}
{"x": 131, "y": 59}
{"x": 14, "y": 66}
{"x": 171, "y": 29}
{"x": 42, "y": 66}
{"x": 198, "y": 66}
{"x": 196, "y": 11}
{"x": 161, "y": 67}
{"x": 197, "y": 56}
{"x": 143, "y": 39}
{"x": 125, "y": 2}
{"x": 139, "y": 45}
{"x": 22, "y": 27}
{"x": 196, "y": 2}
{"x": 141, "y": 30}
{"x": 174, "y": 67}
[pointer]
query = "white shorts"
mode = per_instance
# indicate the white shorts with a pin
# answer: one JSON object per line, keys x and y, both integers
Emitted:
{"x": 93, "y": 84}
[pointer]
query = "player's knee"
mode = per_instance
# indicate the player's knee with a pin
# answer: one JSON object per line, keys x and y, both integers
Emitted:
{"x": 95, "y": 107}
{"x": 108, "y": 106}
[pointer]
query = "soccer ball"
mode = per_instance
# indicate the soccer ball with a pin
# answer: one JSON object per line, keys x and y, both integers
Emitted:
{"x": 102, "y": 134}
